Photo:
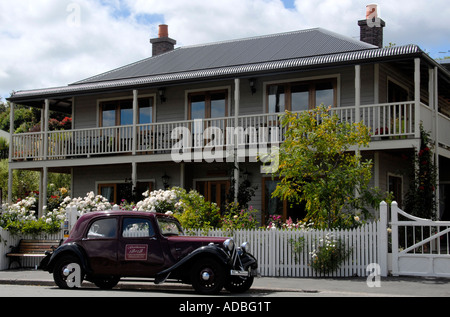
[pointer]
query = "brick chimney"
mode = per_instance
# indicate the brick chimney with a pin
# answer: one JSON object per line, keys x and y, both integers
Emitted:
{"x": 372, "y": 27}
{"x": 163, "y": 43}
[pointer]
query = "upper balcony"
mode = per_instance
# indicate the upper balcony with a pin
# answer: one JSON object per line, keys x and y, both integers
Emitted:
{"x": 387, "y": 122}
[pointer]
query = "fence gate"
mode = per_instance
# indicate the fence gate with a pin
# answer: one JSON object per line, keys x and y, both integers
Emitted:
{"x": 420, "y": 247}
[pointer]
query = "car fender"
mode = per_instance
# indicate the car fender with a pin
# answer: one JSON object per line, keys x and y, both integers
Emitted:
{"x": 210, "y": 250}
{"x": 69, "y": 248}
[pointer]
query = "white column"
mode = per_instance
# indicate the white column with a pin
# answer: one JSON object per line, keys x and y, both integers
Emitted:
{"x": 237, "y": 99}
{"x": 182, "y": 171}
{"x": 435, "y": 106}
{"x": 133, "y": 176}
{"x": 417, "y": 98}
{"x": 357, "y": 93}
{"x": 135, "y": 120}
{"x": 376, "y": 84}
{"x": 11, "y": 149}
{"x": 46, "y": 119}
{"x": 43, "y": 190}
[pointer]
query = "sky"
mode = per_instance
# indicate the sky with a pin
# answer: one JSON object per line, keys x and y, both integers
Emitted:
{"x": 52, "y": 43}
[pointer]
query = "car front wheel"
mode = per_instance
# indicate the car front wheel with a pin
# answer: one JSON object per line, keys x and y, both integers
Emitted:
{"x": 68, "y": 272}
{"x": 239, "y": 284}
{"x": 208, "y": 276}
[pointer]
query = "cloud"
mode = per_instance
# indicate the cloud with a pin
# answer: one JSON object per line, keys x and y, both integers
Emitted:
{"x": 48, "y": 43}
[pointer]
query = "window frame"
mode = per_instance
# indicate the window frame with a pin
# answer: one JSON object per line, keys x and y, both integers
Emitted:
{"x": 311, "y": 82}
{"x": 117, "y": 103}
{"x": 207, "y": 94}
{"x": 151, "y": 229}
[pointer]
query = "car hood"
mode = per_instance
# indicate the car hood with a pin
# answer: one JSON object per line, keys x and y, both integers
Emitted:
{"x": 183, "y": 245}
{"x": 199, "y": 241}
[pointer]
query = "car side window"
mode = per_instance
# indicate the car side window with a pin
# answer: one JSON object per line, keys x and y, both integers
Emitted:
{"x": 137, "y": 228}
{"x": 103, "y": 229}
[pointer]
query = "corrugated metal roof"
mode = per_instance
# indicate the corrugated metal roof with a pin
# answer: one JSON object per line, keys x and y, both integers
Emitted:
{"x": 231, "y": 58}
{"x": 237, "y": 52}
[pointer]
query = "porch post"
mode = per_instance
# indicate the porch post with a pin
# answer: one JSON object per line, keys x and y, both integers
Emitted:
{"x": 376, "y": 84}
{"x": 43, "y": 190}
{"x": 383, "y": 239}
{"x": 133, "y": 177}
{"x": 417, "y": 98}
{"x": 435, "y": 107}
{"x": 135, "y": 120}
{"x": 11, "y": 148}
{"x": 237, "y": 97}
{"x": 357, "y": 93}
{"x": 46, "y": 118}
{"x": 182, "y": 174}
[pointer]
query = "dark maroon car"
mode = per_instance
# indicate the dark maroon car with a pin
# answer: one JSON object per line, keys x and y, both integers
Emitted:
{"x": 105, "y": 246}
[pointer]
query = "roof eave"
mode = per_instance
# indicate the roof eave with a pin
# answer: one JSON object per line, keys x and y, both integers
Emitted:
{"x": 338, "y": 59}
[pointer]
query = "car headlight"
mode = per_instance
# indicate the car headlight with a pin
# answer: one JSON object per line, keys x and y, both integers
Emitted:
{"x": 229, "y": 244}
{"x": 245, "y": 246}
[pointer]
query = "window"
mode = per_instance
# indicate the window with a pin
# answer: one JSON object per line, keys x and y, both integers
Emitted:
{"x": 120, "y": 112}
{"x": 300, "y": 96}
{"x": 103, "y": 229}
{"x": 206, "y": 105}
{"x": 169, "y": 227}
{"x": 137, "y": 228}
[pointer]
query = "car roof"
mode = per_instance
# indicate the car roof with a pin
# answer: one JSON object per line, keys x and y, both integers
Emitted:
{"x": 95, "y": 214}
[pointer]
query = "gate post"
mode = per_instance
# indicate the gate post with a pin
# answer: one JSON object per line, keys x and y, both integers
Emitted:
{"x": 394, "y": 238}
{"x": 383, "y": 239}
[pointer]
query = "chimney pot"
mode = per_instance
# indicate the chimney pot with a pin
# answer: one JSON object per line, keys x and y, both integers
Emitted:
{"x": 371, "y": 11}
{"x": 163, "y": 43}
{"x": 163, "y": 31}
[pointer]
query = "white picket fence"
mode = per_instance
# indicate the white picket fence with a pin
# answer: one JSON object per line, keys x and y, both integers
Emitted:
{"x": 276, "y": 255}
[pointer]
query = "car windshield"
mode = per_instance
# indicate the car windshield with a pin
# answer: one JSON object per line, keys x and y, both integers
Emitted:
{"x": 169, "y": 227}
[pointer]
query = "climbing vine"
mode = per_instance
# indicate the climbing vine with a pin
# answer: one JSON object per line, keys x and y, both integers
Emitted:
{"x": 421, "y": 196}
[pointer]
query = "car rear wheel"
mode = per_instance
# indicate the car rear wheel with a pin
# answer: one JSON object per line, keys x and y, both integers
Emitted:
{"x": 68, "y": 272}
{"x": 208, "y": 276}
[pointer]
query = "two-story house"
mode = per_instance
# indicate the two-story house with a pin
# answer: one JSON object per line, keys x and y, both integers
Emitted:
{"x": 173, "y": 119}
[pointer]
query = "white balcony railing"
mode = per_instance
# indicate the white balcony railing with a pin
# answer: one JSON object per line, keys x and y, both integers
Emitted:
{"x": 386, "y": 121}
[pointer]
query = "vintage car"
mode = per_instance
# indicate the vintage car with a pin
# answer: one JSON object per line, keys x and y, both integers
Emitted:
{"x": 105, "y": 246}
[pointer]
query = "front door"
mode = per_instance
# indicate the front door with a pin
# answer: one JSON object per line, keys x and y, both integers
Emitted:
{"x": 100, "y": 245}
{"x": 214, "y": 191}
{"x": 140, "y": 252}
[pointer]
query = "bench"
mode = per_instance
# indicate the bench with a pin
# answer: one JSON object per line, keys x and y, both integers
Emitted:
{"x": 31, "y": 248}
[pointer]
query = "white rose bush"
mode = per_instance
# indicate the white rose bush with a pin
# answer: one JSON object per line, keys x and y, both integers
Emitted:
{"x": 21, "y": 218}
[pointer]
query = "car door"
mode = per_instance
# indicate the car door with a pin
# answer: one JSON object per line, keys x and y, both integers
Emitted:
{"x": 139, "y": 249}
{"x": 100, "y": 245}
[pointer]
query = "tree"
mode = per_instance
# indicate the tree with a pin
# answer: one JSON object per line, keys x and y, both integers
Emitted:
{"x": 320, "y": 164}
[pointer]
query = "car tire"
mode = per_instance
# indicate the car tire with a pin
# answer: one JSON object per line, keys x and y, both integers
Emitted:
{"x": 65, "y": 273}
{"x": 208, "y": 276}
{"x": 106, "y": 282}
{"x": 239, "y": 284}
